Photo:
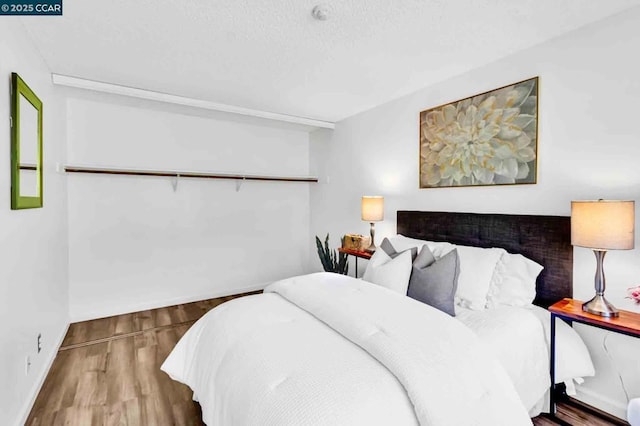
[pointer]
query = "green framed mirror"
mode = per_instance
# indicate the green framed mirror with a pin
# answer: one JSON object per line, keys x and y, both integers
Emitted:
{"x": 26, "y": 146}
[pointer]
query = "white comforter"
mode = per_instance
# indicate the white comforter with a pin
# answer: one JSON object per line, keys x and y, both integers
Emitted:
{"x": 516, "y": 337}
{"x": 328, "y": 349}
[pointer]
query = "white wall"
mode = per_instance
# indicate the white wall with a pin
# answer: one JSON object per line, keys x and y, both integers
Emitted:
{"x": 33, "y": 272}
{"x": 136, "y": 244}
{"x": 588, "y": 147}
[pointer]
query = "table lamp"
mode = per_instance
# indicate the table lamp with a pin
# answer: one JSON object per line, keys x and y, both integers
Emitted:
{"x": 602, "y": 225}
{"x": 372, "y": 211}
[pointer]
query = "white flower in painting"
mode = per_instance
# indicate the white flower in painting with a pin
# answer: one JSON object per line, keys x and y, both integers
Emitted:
{"x": 487, "y": 139}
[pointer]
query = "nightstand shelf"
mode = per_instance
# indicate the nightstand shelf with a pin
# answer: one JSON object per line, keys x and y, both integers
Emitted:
{"x": 357, "y": 254}
{"x": 627, "y": 323}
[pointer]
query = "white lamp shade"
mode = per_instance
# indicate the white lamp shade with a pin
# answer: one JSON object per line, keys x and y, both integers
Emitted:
{"x": 603, "y": 224}
{"x": 372, "y": 208}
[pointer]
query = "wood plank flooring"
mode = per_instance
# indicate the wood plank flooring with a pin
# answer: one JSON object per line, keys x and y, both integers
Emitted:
{"x": 572, "y": 413}
{"x": 107, "y": 372}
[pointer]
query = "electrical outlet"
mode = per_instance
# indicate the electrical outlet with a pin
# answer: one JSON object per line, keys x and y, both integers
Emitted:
{"x": 39, "y": 342}
{"x": 27, "y": 365}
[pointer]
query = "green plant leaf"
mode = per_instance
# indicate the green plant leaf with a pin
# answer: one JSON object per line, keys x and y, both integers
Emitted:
{"x": 332, "y": 260}
{"x": 325, "y": 258}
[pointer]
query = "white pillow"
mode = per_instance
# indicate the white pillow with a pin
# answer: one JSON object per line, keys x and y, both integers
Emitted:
{"x": 390, "y": 273}
{"x": 514, "y": 281}
{"x": 476, "y": 270}
{"x": 439, "y": 249}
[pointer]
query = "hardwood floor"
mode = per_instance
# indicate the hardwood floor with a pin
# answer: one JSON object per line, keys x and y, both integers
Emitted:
{"x": 107, "y": 372}
{"x": 573, "y": 414}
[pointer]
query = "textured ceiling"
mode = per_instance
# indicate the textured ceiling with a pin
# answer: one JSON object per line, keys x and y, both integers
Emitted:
{"x": 272, "y": 55}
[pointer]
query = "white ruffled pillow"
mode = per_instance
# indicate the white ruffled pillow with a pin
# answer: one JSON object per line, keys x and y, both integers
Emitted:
{"x": 514, "y": 281}
{"x": 476, "y": 271}
{"x": 391, "y": 273}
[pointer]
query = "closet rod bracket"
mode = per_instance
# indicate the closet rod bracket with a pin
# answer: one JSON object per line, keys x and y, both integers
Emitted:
{"x": 174, "y": 182}
{"x": 239, "y": 183}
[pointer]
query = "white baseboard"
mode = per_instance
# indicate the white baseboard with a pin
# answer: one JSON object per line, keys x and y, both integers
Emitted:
{"x": 35, "y": 390}
{"x": 601, "y": 402}
{"x": 103, "y": 312}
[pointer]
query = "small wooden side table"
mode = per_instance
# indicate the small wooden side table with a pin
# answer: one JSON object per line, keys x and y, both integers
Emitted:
{"x": 357, "y": 254}
{"x": 627, "y": 323}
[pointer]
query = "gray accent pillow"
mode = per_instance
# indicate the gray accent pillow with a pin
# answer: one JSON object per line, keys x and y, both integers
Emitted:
{"x": 388, "y": 248}
{"x": 425, "y": 258}
{"x": 436, "y": 283}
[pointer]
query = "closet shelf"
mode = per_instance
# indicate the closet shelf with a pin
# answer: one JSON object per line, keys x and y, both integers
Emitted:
{"x": 186, "y": 174}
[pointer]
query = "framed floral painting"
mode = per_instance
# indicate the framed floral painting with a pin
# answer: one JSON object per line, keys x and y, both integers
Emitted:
{"x": 486, "y": 139}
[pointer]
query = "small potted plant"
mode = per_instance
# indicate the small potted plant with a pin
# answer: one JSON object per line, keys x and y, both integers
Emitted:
{"x": 332, "y": 261}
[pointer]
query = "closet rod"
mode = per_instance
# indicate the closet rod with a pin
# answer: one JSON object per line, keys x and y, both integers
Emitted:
{"x": 178, "y": 174}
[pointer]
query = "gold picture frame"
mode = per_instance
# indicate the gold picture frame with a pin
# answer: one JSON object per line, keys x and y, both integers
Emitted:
{"x": 486, "y": 139}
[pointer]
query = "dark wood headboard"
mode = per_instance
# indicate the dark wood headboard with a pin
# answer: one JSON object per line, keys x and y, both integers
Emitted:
{"x": 544, "y": 239}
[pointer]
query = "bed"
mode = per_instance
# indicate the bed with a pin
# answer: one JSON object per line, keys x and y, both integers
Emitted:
{"x": 328, "y": 349}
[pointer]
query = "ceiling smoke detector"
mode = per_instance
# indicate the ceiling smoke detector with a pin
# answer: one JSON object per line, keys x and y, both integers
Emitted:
{"x": 320, "y": 12}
